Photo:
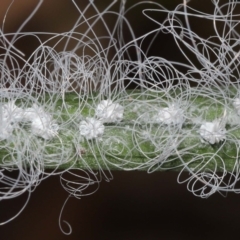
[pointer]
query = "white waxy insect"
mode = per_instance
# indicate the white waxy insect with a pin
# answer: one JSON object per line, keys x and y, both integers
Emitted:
{"x": 44, "y": 127}
{"x": 6, "y": 129}
{"x": 11, "y": 112}
{"x": 42, "y": 124}
{"x": 10, "y": 115}
{"x": 236, "y": 104}
{"x": 214, "y": 132}
{"x": 91, "y": 128}
{"x": 107, "y": 111}
{"x": 170, "y": 115}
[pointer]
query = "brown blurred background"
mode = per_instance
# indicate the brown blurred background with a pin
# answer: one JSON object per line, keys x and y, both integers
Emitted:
{"x": 135, "y": 205}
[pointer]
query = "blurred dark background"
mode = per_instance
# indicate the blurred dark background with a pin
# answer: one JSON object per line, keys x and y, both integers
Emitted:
{"x": 135, "y": 205}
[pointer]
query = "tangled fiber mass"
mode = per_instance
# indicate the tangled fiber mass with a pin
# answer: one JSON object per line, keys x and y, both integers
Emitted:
{"x": 82, "y": 104}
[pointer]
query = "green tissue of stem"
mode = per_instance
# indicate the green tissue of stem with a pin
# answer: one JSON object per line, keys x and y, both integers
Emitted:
{"x": 133, "y": 143}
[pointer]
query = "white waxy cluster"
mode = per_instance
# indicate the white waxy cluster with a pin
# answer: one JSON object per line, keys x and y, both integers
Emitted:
{"x": 12, "y": 112}
{"x": 107, "y": 111}
{"x": 213, "y": 132}
{"x": 42, "y": 124}
{"x": 10, "y": 115}
{"x": 170, "y": 115}
{"x": 91, "y": 128}
{"x": 236, "y": 104}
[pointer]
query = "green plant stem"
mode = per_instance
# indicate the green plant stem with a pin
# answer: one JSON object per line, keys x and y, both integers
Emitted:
{"x": 123, "y": 144}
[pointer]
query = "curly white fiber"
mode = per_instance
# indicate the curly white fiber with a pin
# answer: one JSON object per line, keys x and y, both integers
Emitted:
{"x": 84, "y": 103}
